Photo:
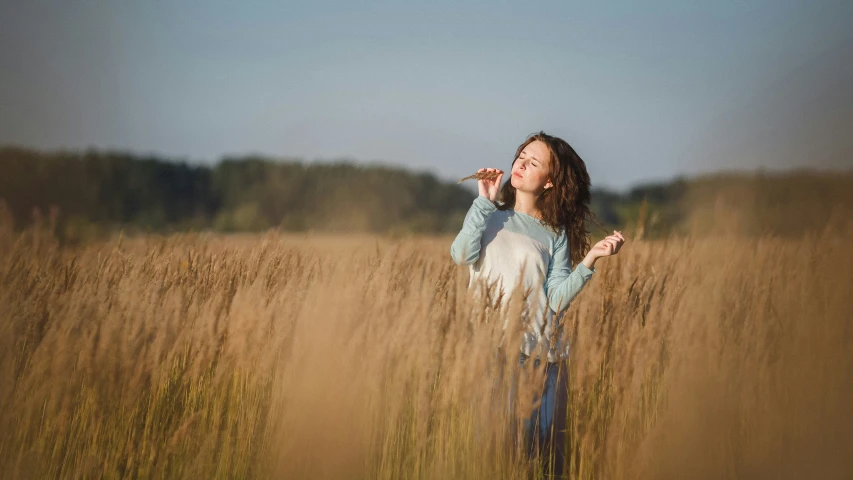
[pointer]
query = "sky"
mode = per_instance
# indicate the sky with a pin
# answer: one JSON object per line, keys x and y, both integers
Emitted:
{"x": 644, "y": 91}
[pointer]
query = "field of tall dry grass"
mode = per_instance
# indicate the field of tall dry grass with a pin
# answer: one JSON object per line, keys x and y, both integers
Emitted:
{"x": 281, "y": 356}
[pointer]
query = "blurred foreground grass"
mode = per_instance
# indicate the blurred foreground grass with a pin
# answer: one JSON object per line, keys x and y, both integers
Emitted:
{"x": 298, "y": 356}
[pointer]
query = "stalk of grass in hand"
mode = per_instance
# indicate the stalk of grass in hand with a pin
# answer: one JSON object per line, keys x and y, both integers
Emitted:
{"x": 481, "y": 176}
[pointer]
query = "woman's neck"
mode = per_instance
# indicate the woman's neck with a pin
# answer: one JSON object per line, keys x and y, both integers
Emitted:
{"x": 526, "y": 203}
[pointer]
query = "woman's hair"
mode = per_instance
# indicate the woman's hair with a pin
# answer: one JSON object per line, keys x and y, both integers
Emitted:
{"x": 565, "y": 205}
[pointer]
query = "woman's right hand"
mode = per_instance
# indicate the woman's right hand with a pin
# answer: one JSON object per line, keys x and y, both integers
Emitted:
{"x": 489, "y": 188}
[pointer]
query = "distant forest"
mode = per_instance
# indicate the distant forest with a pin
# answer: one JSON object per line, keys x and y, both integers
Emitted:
{"x": 86, "y": 195}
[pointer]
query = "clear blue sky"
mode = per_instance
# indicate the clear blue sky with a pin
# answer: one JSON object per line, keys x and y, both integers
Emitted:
{"x": 642, "y": 90}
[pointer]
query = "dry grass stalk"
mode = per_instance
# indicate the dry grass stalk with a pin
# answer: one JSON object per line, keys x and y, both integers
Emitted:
{"x": 481, "y": 176}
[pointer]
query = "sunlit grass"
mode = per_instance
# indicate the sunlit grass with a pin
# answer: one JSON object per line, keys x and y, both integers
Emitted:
{"x": 203, "y": 356}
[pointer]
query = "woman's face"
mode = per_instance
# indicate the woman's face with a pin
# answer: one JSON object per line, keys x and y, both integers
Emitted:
{"x": 531, "y": 170}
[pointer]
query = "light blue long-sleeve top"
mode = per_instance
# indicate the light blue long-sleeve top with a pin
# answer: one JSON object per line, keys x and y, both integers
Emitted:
{"x": 505, "y": 249}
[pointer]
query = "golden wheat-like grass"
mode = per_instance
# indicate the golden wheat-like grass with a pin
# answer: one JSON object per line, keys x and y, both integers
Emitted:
{"x": 206, "y": 356}
{"x": 480, "y": 176}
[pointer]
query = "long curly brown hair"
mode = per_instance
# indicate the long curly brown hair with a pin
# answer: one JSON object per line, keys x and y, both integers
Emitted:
{"x": 565, "y": 205}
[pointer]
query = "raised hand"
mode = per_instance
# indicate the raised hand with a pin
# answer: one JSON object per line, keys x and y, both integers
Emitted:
{"x": 489, "y": 187}
{"x": 609, "y": 245}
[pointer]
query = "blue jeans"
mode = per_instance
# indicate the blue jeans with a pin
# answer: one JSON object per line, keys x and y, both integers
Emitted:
{"x": 537, "y": 427}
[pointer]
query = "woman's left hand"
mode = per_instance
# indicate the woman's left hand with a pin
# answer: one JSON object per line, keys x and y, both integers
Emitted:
{"x": 610, "y": 245}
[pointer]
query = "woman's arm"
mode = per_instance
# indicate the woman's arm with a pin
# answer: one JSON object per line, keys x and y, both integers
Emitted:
{"x": 563, "y": 284}
{"x": 465, "y": 249}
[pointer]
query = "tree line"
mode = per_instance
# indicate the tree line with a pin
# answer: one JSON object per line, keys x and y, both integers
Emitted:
{"x": 92, "y": 193}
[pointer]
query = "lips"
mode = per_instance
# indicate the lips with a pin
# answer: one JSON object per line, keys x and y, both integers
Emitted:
{"x": 516, "y": 174}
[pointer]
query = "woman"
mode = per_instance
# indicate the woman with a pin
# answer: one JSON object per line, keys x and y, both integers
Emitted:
{"x": 529, "y": 240}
